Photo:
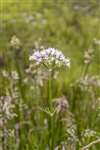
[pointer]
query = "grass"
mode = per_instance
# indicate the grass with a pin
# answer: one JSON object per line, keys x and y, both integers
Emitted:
{"x": 72, "y": 121}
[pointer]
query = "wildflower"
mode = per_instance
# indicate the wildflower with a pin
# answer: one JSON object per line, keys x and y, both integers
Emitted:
{"x": 15, "y": 42}
{"x": 96, "y": 41}
{"x": 61, "y": 104}
{"x": 88, "y": 133}
{"x": 10, "y": 75}
{"x": 50, "y": 57}
{"x": 90, "y": 81}
{"x": 6, "y": 107}
{"x": 5, "y": 74}
{"x": 14, "y": 75}
{"x": 88, "y": 56}
{"x": 36, "y": 57}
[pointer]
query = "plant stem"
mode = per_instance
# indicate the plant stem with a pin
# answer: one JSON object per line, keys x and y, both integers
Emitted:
{"x": 90, "y": 144}
{"x": 50, "y": 119}
{"x": 86, "y": 70}
{"x": 50, "y": 90}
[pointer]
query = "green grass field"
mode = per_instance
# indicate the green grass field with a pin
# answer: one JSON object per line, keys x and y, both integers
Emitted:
{"x": 42, "y": 109}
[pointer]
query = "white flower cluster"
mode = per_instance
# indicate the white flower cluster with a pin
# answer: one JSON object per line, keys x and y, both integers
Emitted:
{"x": 6, "y": 107}
{"x": 89, "y": 133}
{"x": 88, "y": 56}
{"x": 50, "y": 56}
{"x": 15, "y": 42}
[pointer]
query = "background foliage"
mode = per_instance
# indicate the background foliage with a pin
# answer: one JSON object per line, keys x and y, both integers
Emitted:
{"x": 73, "y": 26}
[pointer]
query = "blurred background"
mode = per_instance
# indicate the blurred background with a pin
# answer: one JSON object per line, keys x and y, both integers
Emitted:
{"x": 72, "y": 26}
{"x": 69, "y": 25}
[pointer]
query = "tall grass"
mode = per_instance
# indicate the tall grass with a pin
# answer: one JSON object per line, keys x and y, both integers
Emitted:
{"x": 32, "y": 116}
{"x": 43, "y": 108}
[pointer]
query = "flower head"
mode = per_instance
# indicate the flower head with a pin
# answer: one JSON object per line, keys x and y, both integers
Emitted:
{"x": 36, "y": 57}
{"x": 88, "y": 56}
{"x": 7, "y": 107}
{"x": 61, "y": 104}
{"x": 50, "y": 57}
{"x": 15, "y": 42}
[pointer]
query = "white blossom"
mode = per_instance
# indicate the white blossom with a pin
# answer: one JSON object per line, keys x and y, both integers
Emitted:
{"x": 15, "y": 42}
{"x": 50, "y": 56}
{"x": 6, "y": 107}
{"x": 36, "y": 57}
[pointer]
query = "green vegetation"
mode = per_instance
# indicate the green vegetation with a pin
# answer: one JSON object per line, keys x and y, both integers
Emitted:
{"x": 27, "y": 122}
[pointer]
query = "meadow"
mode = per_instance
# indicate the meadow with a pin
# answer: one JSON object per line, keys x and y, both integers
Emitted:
{"x": 49, "y": 75}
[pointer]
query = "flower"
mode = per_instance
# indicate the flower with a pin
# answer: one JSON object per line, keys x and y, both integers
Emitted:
{"x": 36, "y": 56}
{"x": 6, "y": 107}
{"x": 88, "y": 133}
{"x": 61, "y": 104}
{"x": 88, "y": 56}
{"x": 96, "y": 41}
{"x": 50, "y": 57}
{"x": 15, "y": 42}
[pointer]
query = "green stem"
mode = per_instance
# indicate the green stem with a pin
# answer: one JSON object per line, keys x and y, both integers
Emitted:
{"x": 50, "y": 119}
{"x": 86, "y": 70}
{"x": 49, "y": 105}
{"x": 50, "y": 91}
